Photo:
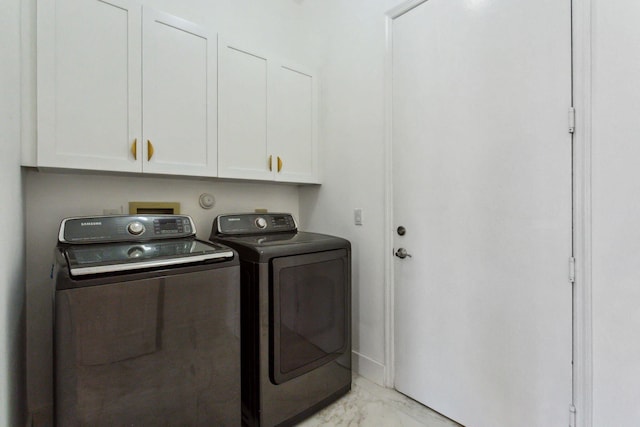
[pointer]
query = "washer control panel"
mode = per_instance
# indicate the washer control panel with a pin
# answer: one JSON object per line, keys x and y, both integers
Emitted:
{"x": 242, "y": 224}
{"x": 122, "y": 228}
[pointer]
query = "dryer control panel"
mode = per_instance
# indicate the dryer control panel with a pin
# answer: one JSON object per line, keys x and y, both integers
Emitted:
{"x": 244, "y": 224}
{"x": 125, "y": 228}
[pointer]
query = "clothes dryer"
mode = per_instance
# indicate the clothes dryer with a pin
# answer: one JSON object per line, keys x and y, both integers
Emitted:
{"x": 296, "y": 316}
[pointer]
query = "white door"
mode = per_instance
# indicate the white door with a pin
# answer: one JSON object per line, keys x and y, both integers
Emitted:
{"x": 482, "y": 184}
{"x": 179, "y": 87}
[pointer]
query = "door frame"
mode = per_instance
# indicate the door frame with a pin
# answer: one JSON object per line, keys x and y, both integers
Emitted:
{"x": 582, "y": 373}
{"x": 389, "y": 277}
{"x": 581, "y": 33}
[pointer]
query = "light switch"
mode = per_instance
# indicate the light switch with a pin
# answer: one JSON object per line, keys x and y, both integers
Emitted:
{"x": 357, "y": 216}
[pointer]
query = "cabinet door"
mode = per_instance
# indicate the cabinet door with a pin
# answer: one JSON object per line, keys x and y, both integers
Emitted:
{"x": 242, "y": 104}
{"x": 88, "y": 84}
{"x": 293, "y": 123}
{"x": 179, "y": 96}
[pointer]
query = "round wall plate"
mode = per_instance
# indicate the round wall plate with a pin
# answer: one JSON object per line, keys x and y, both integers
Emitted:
{"x": 207, "y": 201}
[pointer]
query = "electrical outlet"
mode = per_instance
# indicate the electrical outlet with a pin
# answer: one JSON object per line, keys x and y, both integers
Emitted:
{"x": 357, "y": 216}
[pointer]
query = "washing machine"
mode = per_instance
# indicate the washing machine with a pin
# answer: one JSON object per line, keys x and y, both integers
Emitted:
{"x": 147, "y": 324}
{"x": 296, "y": 316}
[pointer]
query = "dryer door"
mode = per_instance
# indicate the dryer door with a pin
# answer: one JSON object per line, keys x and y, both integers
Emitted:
{"x": 309, "y": 312}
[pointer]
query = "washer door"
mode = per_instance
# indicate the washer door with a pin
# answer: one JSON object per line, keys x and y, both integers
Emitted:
{"x": 309, "y": 303}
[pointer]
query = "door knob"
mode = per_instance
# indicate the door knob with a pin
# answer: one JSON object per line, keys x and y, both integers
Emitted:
{"x": 402, "y": 253}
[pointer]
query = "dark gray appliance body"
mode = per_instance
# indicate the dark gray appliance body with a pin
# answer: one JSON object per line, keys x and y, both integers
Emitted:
{"x": 155, "y": 341}
{"x": 296, "y": 317}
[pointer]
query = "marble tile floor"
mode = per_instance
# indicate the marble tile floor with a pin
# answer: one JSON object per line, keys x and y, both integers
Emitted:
{"x": 369, "y": 405}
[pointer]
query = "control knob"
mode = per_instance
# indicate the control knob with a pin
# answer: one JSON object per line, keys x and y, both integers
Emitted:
{"x": 261, "y": 223}
{"x": 136, "y": 228}
{"x": 135, "y": 252}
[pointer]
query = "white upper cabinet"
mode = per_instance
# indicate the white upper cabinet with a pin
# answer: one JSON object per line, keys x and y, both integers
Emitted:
{"x": 179, "y": 96}
{"x": 107, "y": 67}
{"x": 293, "y": 124}
{"x": 267, "y": 117}
{"x": 242, "y": 108}
{"x": 125, "y": 88}
{"x": 89, "y": 68}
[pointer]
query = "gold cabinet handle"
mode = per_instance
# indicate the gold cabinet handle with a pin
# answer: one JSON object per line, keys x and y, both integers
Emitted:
{"x": 134, "y": 149}
{"x": 149, "y": 150}
{"x": 270, "y": 163}
{"x": 279, "y": 164}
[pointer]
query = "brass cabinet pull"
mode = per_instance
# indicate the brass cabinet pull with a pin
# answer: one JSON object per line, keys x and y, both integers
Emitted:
{"x": 270, "y": 163}
{"x": 279, "y": 164}
{"x": 134, "y": 149}
{"x": 149, "y": 150}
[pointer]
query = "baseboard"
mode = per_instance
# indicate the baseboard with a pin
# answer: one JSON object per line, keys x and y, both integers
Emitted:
{"x": 368, "y": 368}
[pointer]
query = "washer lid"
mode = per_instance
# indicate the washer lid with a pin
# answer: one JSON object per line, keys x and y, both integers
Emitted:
{"x": 117, "y": 257}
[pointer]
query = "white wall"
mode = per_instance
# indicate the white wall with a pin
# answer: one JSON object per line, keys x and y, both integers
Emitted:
{"x": 352, "y": 131}
{"x": 12, "y": 404}
{"x": 279, "y": 27}
{"x": 616, "y": 212}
